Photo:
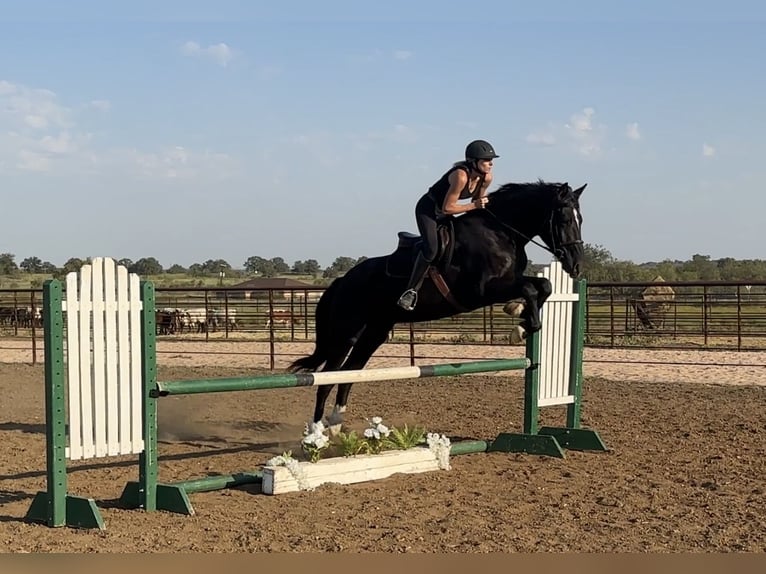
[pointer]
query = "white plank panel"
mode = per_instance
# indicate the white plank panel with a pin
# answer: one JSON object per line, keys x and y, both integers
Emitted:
{"x": 71, "y": 307}
{"x": 136, "y": 374}
{"x": 124, "y": 360}
{"x": 84, "y": 355}
{"x": 98, "y": 357}
{"x": 111, "y": 354}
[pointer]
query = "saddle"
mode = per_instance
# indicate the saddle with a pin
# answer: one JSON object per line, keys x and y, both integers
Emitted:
{"x": 399, "y": 264}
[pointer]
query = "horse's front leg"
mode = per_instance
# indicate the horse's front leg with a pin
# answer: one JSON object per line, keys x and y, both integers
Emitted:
{"x": 533, "y": 292}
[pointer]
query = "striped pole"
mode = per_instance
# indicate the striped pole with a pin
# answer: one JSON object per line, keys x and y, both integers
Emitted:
{"x": 281, "y": 381}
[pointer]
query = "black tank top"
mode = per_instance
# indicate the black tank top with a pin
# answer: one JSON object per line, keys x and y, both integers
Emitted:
{"x": 438, "y": 191}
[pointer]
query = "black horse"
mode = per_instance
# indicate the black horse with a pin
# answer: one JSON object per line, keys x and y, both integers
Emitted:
{"x": 482, "y": 264}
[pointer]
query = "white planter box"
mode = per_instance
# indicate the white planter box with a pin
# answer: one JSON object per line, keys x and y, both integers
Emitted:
{"x": 348, "y": 470}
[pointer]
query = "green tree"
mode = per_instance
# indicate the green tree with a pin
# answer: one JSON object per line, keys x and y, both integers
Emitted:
{"x": 700, "y": 268}
{"x": 147, "y": 266}
{"x": 308, "y": 267}
{"x": 7, "y": 264}
{"x": 215, "y": 266}
{"x": 31, "y": 265}
{"x": 340, "y": 266}
{"x": 176, "y": 268}
{"x": 668, "y": 270}
{"x": 258, "y": 265}
{"x": 49, "y": 268}
{"x": 72, "y": 264}
{"x": 279, "y": 265}
{"x": 196, "y": 270}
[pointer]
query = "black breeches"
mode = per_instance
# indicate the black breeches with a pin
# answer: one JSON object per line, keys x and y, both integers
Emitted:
{"x": 425, "y": 217}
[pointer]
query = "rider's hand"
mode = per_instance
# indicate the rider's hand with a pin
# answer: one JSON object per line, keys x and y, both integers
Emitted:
{"x": 480, "y": 202}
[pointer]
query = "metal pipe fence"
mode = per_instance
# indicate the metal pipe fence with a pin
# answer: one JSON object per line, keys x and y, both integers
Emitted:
{"x": 691, "y": 315}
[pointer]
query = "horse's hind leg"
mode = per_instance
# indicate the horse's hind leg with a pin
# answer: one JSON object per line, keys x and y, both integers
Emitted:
{"x": 369, "y": 342}
{"x": 323, "y": 391}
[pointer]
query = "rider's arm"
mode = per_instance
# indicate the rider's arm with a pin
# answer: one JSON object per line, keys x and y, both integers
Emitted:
{"x": 481, "y": 190}
{"x": 458, "y": 180}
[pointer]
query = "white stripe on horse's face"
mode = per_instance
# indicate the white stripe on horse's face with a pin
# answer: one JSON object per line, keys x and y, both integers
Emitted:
{"x": 577, "y": 217}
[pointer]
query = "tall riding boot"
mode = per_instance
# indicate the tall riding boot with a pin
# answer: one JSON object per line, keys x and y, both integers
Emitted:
{"x": 409, "y": 298}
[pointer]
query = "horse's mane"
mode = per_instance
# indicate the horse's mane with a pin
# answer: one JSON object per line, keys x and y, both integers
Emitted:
{"x": 510, "y": 189}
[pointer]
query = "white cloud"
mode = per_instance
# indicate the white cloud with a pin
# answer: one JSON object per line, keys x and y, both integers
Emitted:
{"x": 587, "y": 137}
{"x": 40, "y": 134}
{"x": 32, "y": 161}
{"x": 632, "y": 132}
{"x": 21, "y": 106}
{"x": 221, "y": 53}
{"x": 101, "y": 105}
{"x": 582, "y": 122}
{"x": 541, "y": 138}
{"x": 708, "y": 150}
{"x": 174, "y": 163}
{"x": 582, "y": 133}
{"x": 60, "y": 144}
{"x": 35, "y": 121}
{"x": 402, "y": 54}
{"x": 6, "y": 88}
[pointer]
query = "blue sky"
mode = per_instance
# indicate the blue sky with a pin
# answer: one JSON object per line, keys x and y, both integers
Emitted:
{"x": 189, "y": 131}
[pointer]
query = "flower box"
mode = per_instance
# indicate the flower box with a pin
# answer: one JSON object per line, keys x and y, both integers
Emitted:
{"x": 347, "y": 470}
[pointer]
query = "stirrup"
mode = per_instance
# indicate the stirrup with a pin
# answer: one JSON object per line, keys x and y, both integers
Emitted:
{"x": 408, "y": 299}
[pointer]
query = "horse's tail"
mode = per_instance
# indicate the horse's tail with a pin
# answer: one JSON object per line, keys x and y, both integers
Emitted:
{"x": 322, "y": 318}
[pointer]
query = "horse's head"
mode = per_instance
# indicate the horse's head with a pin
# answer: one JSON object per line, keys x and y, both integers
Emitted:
{"x": 563, "y": 234}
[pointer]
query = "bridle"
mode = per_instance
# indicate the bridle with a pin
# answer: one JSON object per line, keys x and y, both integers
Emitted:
{"x": 556, "y": 250}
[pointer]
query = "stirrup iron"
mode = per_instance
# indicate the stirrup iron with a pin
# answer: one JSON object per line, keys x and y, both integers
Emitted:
{"x": 408, "y": 300}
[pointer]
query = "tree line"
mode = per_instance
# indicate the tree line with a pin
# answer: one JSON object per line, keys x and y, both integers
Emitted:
{"x": 253, "y": 266}
{"x": 600, "y": 265}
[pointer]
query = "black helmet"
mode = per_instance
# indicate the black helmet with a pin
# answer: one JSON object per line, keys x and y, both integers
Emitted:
{"x": 480, "y": 149}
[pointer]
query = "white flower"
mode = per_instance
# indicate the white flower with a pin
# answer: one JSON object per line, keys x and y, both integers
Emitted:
{"x": 372, "y": 433}
{"x": 440, "y": 446}
{"x": 383, "y": 429}
{"x": 313, "y": 429}
{"x": 314, "y": 439}
{"x": 377, "y": 420}
{"x": 276, "y": 461}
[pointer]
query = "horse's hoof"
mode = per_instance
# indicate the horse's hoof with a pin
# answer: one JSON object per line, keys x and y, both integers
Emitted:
{"x": 335, "y": 429}
{"x": 517, "y": 335}
{"x": 514, "y": 308}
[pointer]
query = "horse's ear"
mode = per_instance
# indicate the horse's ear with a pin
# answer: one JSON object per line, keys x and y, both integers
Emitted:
{"x": 579, "y": 191}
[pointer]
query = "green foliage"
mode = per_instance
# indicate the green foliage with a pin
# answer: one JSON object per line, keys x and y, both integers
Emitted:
{"x": 7, "y": 264}
{"x": 600, "y": 266}
{"x": 73, "y": 264}
{"x": 351, "y": 444}
{"x": 146, "y": 266}
{"x": 341, "y": 265}
{"x": 406, "y": 437}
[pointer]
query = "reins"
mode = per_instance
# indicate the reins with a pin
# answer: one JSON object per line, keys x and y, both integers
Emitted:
{"x": 556, "y": 251}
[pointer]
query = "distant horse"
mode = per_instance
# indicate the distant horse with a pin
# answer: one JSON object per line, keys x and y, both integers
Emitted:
{"x": 482, "y": 264}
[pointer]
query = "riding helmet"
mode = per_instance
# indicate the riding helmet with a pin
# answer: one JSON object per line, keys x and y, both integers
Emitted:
{"x": 480, "y": 149}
